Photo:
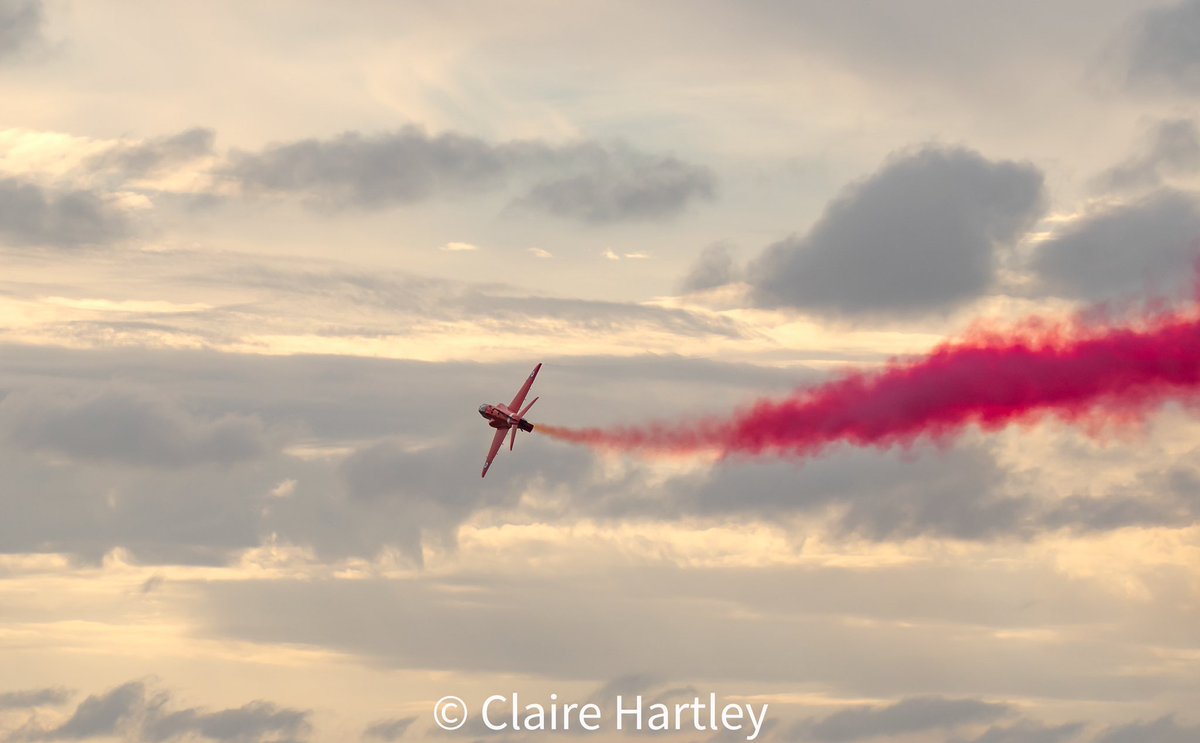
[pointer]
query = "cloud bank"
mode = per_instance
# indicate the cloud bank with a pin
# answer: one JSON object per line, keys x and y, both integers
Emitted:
{"x": 923, "y": 234}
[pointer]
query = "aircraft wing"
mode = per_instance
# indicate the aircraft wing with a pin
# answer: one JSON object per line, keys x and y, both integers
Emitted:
{"x": 497, "y": 440}
{"x": 515, "y": 405}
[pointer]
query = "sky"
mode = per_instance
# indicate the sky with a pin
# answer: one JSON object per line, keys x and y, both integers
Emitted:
{"x": 260, "y": 263}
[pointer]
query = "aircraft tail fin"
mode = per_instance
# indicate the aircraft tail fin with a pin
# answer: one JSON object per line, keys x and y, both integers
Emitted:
{"x": 525, "y": 409}
{"x": 522, "y": 424}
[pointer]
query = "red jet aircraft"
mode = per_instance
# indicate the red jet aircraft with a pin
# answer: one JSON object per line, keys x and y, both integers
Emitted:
{"x": 502, "y": 418}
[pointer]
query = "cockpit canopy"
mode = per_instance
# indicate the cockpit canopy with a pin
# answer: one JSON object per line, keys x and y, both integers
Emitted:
{"x": 483, "y": 408}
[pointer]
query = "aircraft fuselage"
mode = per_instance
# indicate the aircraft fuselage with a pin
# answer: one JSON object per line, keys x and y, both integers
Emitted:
{"x": 499, "y": 416}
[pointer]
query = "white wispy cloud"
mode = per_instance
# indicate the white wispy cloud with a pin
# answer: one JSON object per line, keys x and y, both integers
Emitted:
{"x": 612, "y": 255}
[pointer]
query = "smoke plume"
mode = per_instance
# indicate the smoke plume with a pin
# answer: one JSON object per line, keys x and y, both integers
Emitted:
{"x": 1086, "y": 374}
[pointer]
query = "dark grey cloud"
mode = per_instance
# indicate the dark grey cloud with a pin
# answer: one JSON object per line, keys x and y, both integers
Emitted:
{"x": 880, "y": 496}
{"x": 195, "y": 515}
{"x": 1165, "y": 48}
{"x": 911, "y": 715}
{"x": 959, "y": 493}
{"x": 373, "y": 170}
{"x": 248, "y": 723}
{"x": 1029, "y": 731}
{"x": 1163, "y": 730}
{"x": 136, "y": 426}
{"x": 130, "y": 466}
{"x": 587, "y": 181}
{"x": 20, "y": 23}
{"x": 922, "y": 234}
{"x": 1172, "y": 147}
{"x": 1148, "y": 245}
{"x": 389, "y": 730}
{"x": 99, "y": 714}
{"x": 403, "y": 497}
{"x": 618, "y": 184}
{"x": 1171, "y": 498}
{"x": 714, "y": 267}
{"x": 157, "y": 154}
{"x": 138, "y": 712}
{"x": 31, "y": 215}
{"x": 25, "y": 699}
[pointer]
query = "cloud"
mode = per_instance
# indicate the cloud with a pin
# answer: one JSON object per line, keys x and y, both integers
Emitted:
{"x": 130, "y": 710}
{"x": 284, "y": 489}
{"x": 1146, "y": 245}
{"x": 31, "y": 215}
{"x": 389, "y": 730}
{"x": 587, "y": 181}
{"x": 426, "y": 298}
{"x": 960, "y": 493}
{"x": 880, "y": 496}
{"x": 1163, "y": 50}
{"x": 1163, "y": 730}
{"x": 152, "y": 156}
{"x": 404, "y": 497}
{"x": 129, "y": 426}
{"x": 1169, "y": 499}
{"x": 540, "y": 253}
{"x": 620, "y": 184}
{"x": 880, "y": 630}
{"x": 1029, "y": 731}
{"x": 98, "y": 715}
{"x": 911, "y": 715}
{"x": 247, "y": 723}
{"x": 714, "y": 267}
{"x": 922, "y": 234}
{"x": 612, "y": 255}
{"x": 1171, "y": 148}
{"x": 159, "y": 515}
{"x": 34, "y": 698}
{"x": 315, "y": 306}
{"x": 129, "y": 466}
{"x": 453, "y": 247}
{"x": 20, "y": 23}
{"x": 373, "y": 171}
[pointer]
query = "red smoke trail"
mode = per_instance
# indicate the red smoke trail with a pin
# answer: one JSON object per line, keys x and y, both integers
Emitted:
{"x": 990, "y": 379}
